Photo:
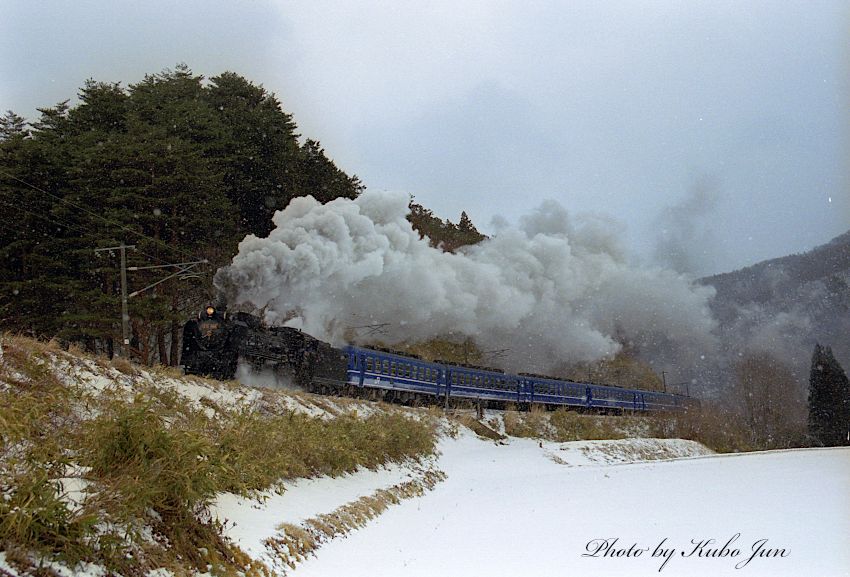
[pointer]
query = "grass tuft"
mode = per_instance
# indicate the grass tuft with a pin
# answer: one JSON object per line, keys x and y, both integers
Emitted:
{"x": 34, "y": 517}
{"x": 124, "y": 366}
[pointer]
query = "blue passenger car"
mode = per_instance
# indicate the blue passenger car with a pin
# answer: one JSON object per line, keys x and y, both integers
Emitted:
{"x": 475, "y": 383}
{"x": 607, "y": 397}
{"x": 554, "y": 392}
{"x": 393, "y": 372}
{"x": 388, "y": 371}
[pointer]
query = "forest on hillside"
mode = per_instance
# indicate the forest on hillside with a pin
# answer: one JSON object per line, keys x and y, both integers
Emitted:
{"x": 178, "y": 166}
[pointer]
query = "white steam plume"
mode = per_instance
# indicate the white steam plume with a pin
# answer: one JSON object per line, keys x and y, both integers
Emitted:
{"x": 686, "y": 240}
{"x": 553, "y": 289}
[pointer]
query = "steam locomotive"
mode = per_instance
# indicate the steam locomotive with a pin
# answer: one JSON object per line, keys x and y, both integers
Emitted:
{"x": 214, "y": 344}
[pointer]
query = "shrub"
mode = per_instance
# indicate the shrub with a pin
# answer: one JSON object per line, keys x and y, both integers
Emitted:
{"x": 170, "y": 470}
{"x": 258, "y": 451}
{"x": 33, "y": 517}
{"x": 163, "y": 475}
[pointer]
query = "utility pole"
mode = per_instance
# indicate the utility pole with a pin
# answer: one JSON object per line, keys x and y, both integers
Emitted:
{"x": 687, "y": 385}
{"x": 678, "y": 386}
{"x": 184, "y": 270}
{"x": 125, "y": 316}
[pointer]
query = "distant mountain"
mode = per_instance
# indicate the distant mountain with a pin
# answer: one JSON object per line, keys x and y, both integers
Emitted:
{"x": 785, "y": 305}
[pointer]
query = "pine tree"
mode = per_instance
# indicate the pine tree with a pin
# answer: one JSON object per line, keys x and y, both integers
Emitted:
{"x": 31, "y": 279}
{"x": 161, "y": 178}
{"x": 443, "y": 233}
{"x": 259, "y": 151}
{"x": 12, "y": 126}
{"x": 829, "y": 400}
{"x": 466, "y": 231}
{"x": 320, "y": 177}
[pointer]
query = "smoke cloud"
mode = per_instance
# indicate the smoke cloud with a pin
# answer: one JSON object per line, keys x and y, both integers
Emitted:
{"x": 686, "y": 240}
{"x": 553, "y": 289}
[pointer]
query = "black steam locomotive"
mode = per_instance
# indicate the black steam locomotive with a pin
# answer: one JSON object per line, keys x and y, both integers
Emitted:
{"x": 215, "y": 343}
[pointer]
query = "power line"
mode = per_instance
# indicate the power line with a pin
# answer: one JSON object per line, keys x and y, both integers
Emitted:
{"x": 183, "y": 268}
{"x": 61, "y": 224}
{"x": 101, "y": 217}
{"x": 373, "y": 329}
{"x": 45, "y": 218}
{"x": 80, "y": 229}
{"x": 75, "y": 227}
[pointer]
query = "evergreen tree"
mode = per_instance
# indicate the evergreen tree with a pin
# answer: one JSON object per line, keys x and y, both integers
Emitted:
{"x": 31, "y": 282}
{"x": 424, "y": 222}
{"x": 466, "y": 231}
{"x": 259, "y": 151}
{"x": 102, "y": 108}
{"x": 829, "y": 400}
{"x": 161, "y": 179}
{"x": 12, "y": 126}
{"x": 181, "y": 168}
{"x": 443, "y": 233}
{"x": 129, "y": 168}
{"x": 321, "y": 179}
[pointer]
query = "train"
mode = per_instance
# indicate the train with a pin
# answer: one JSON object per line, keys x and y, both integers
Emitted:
{"x": 215, "y": 343}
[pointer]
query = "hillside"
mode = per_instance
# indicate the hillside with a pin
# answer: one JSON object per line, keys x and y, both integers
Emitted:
{"x": 786, "y": 305}
{"x": 780, "y": 282}
{"x": 115, "y": 466}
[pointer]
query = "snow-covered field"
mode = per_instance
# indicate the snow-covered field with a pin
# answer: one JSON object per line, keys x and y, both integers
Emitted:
{"x": 531, "y": 508}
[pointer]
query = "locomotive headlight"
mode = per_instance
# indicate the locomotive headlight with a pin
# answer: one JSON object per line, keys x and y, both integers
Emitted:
{"x": 210, "y": 311}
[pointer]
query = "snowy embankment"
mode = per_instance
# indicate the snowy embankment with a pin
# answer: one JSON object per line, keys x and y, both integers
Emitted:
{"x": 116, "y": 465}
{"x": 523, "y": 507}
{"x": 508, "y": 506}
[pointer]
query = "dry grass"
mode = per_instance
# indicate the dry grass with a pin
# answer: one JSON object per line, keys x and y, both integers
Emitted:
{"x": 564, "y": 425}
{"x": 479, "y": 428}
{"x": 124, "y": 366}
{"x": 169, "y": 372}
{"x": 721, "y": 431}
{"x": 295, "y": 542}
{"x": 154, "y": 462}
{"x": 533, "y": 423}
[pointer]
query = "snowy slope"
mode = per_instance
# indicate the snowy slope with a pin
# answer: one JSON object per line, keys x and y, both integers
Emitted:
{"x": 515, "y": 510}
{"x": 526, "y": 507}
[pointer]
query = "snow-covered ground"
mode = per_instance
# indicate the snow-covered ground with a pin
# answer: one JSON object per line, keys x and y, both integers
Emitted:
{"x": 531, "y": 508}
{"x": 526, "y": 507}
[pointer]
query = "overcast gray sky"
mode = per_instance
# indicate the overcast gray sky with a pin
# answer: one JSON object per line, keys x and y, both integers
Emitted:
{"x": 719, "y": 127}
